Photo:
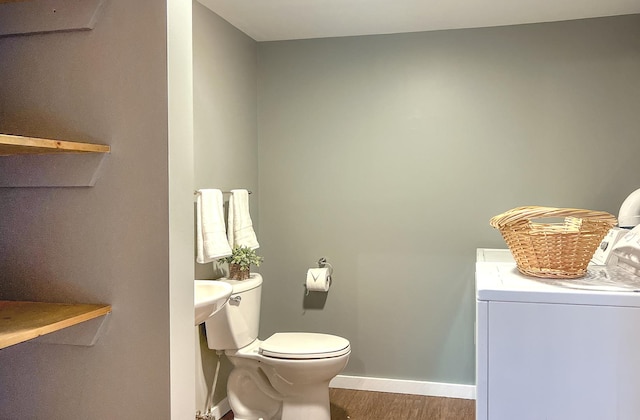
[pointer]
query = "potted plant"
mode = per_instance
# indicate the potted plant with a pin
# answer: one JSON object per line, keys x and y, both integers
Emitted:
{"x": 240, "y": 262}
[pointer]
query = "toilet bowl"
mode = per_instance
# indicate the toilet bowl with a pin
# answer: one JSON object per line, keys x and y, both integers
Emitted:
{"x": 286, "y": 376}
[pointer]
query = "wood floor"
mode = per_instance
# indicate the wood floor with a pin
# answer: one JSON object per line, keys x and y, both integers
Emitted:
{"x": 347, "y": 404}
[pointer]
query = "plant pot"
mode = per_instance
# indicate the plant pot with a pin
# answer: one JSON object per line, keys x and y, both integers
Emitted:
{"x": 235, "y": 273}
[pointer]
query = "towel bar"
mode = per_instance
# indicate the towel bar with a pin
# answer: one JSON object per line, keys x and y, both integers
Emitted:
{"x": 223, "y": 192}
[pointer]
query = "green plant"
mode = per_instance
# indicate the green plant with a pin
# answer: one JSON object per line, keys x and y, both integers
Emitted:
{"x": 244, "y": 257}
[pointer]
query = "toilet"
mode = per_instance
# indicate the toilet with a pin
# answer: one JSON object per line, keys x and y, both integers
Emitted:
{"x": 286, "y": 376}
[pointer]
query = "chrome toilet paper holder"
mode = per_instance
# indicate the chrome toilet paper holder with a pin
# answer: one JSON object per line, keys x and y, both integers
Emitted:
{"x": 322, "y": 263}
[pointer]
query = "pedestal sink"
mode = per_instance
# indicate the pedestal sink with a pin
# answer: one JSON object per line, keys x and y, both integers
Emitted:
{"x": 209, "y": 297}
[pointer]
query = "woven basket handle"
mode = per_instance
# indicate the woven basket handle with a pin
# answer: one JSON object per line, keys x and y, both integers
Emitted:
{"x": 523, "y": 214}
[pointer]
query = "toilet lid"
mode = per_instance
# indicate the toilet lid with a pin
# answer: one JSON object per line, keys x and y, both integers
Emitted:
{"x": 304, "y": 346}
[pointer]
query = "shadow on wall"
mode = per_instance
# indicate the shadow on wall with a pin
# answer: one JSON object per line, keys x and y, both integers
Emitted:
{"x": 314, "y": 300}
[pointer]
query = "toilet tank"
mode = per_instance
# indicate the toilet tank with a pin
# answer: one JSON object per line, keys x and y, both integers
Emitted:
{"x": 236, "y": 324}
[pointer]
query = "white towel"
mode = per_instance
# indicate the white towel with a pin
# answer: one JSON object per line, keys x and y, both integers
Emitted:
{"x": 211, "y": 240}
{"x": 240, "y": 228}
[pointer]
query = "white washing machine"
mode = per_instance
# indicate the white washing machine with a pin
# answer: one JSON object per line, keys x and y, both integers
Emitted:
{"x": 557, "y": 349}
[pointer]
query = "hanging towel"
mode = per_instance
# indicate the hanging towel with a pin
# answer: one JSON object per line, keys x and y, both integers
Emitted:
{"x": 211, "y": 241}
{"x": 240, "y": 228}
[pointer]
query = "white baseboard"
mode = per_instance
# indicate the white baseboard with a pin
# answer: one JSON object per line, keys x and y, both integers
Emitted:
{"x": 399, "y": 386}
{"x": 221, "y": 409}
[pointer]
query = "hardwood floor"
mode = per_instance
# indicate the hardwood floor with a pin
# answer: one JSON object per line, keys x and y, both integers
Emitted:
{"x": 347, "y": 404}
{"x": 364, "y": 405}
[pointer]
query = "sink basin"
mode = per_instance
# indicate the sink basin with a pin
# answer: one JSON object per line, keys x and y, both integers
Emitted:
{"x": 209, "y": 297}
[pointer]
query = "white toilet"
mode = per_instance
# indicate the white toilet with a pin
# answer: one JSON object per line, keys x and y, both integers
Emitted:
{"x": 286, "y": 376}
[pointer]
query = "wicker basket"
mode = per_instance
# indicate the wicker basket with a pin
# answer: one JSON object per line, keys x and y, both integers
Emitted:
{"x": 553, "y": 250}
{"x": 235, "y": 273}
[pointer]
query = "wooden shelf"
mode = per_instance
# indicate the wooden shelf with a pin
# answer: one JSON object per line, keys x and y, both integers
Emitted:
{"x": 23, "y": 321}
{"x": 18, "y": 145}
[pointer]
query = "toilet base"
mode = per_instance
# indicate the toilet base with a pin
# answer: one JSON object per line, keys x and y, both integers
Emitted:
{"x": 250, "y": 395}
{"x": 251, "y": 398}
{"x": 268, "y": 388}
{"x": 313, "y": 405}
{"x": 317, "y": 408}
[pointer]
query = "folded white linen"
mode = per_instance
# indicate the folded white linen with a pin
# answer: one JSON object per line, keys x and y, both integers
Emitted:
{"x": 210, "y": 230}
{"x": 240, "y": 227}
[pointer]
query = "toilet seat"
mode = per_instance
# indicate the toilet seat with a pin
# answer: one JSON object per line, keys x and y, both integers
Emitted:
{"x": 304, "y": 346}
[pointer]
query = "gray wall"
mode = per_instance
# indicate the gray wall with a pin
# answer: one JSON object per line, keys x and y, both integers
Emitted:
{"x": 389, "y": 154}
{"x": 225, "y": 144}
{"x": 109, "y": 243}
{"x": 225, "y": 110}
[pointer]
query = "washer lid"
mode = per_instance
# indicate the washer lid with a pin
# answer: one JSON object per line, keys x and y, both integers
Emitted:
{"x": 304, "y": 346}
{"x": 602, "y": 286}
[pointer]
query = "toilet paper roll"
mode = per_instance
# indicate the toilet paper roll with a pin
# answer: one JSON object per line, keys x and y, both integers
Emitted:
{"x": 318, "y": 279}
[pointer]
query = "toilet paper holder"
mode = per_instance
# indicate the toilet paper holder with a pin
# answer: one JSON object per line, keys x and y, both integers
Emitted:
{"x": 322, "y": 263}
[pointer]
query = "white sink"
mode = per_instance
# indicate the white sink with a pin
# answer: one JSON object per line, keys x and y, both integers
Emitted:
{"x": 209, "y": 297}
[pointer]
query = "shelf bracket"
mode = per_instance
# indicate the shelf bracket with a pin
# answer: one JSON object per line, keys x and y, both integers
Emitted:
{"x": 41, "y": 16}
{"x": 85, "y": 334}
